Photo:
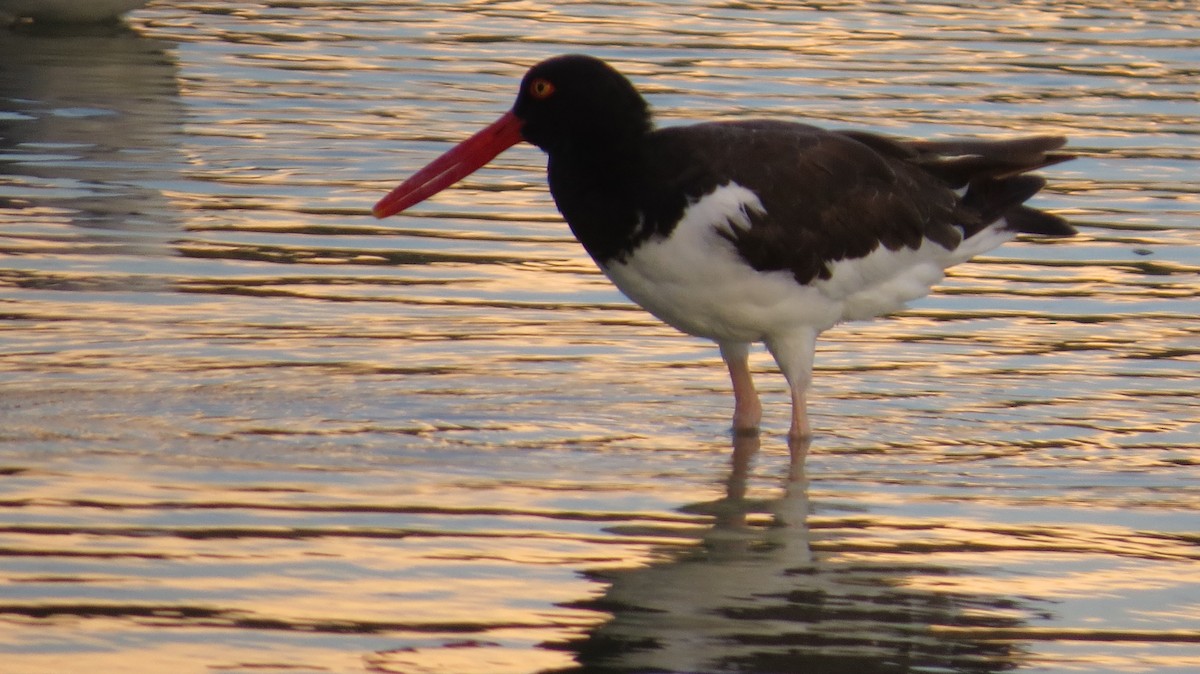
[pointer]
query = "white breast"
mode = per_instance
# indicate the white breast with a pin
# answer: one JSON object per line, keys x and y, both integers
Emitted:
{"x": 695, "y": 281}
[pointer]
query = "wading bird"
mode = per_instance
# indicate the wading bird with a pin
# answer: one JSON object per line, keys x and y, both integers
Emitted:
{"x": 754, "y": 231}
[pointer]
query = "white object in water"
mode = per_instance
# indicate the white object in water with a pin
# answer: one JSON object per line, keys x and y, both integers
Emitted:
{"x": 66, "y": 11}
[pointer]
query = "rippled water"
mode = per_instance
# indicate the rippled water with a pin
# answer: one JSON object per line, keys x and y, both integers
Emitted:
{"x": 246, "y": 428}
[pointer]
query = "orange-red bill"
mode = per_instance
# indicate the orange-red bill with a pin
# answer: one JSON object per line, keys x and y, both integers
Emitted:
{"x": 459, "y": 162}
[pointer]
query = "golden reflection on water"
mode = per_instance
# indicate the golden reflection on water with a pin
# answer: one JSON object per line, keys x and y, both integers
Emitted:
{"x": 245, "y": 428}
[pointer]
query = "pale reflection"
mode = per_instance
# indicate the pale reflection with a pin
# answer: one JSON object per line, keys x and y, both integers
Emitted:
{"x": 758, "y": 595}
{"x": 339, "y": 445}
{"x": 90, "y": 127}
{"x": 66, "y": 11}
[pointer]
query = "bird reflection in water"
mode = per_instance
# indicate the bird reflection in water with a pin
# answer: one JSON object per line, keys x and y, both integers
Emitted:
{"x": 767, "y": 594}
{"x": 93, "y": 126}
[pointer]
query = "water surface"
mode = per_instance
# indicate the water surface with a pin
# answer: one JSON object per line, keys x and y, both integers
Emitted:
{"x": 246, "y": 428}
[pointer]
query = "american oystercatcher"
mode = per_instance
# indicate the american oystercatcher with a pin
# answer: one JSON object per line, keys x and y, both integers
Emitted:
{"x": 754, "y": 231}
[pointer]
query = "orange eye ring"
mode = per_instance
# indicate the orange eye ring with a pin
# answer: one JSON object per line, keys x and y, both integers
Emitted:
{"x": 541, "y": 88}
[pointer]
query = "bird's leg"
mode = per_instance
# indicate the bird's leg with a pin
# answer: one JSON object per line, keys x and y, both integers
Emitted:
{"x": 801, "y": 430}
{"x": 747, "y": 410}
{"x": 794, "y": 354}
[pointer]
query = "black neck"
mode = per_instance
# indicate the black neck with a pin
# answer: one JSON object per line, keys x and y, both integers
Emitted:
{"x": 596, "y": 189}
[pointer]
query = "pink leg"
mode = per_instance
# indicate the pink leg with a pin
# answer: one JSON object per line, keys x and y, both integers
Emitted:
{"x": 794, "y": 354}
{"x": 801, "y": 431}
{"x": 747, "y": 410}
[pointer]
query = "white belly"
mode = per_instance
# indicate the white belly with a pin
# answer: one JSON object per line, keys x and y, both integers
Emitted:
{"x": 696, "y": 282}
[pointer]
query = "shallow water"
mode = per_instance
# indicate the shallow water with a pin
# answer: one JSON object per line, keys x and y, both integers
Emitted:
{"x": 246, "y": 428}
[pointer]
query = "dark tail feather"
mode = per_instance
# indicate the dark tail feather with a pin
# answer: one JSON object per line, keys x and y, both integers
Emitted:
{"x": 991, "y": 198}
{"x": 994, "y": 198}
{"x": 1032, "y": 221}
{"x": 960, "y": 162}
{"x": 960, "y": 171}
{"x": 995, "y": 173}
{"x": 1018, "y": 149}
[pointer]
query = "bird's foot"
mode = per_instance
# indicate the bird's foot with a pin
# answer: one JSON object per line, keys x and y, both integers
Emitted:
{"x": 798, "y": 449}
{"x": 747, "y": 414}
{"x": 744, "y": 431}
{"x": 800, "y": 435}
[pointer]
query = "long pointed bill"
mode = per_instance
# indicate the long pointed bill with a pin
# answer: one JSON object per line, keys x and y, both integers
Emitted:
{"x": 459, "y": 162}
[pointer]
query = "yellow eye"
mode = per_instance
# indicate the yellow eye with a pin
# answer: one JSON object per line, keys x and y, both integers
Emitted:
{"x": 541, "y": 88}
